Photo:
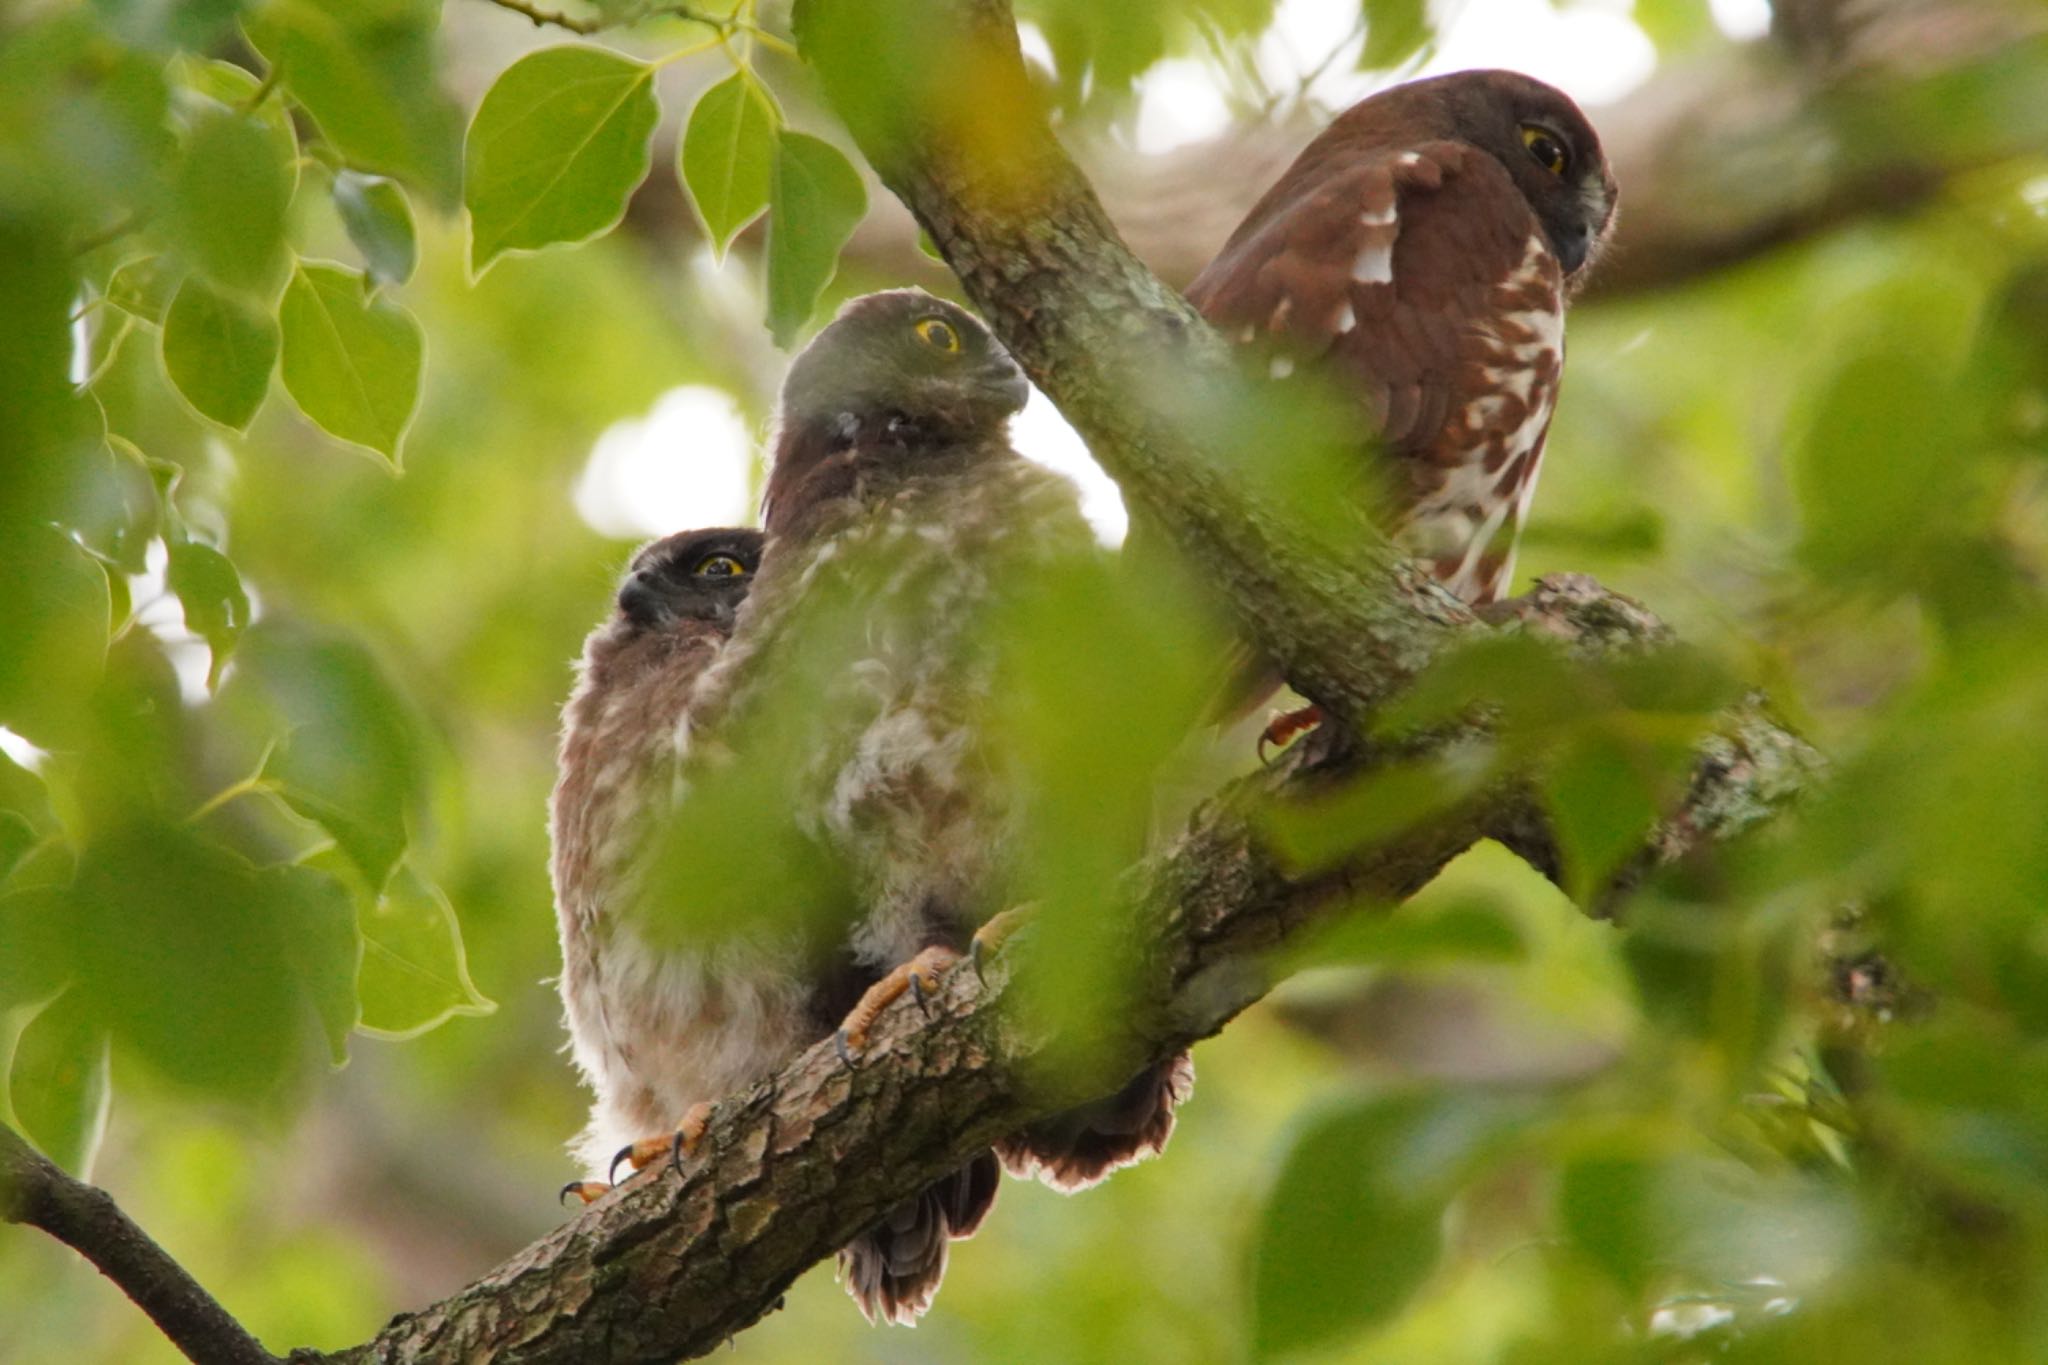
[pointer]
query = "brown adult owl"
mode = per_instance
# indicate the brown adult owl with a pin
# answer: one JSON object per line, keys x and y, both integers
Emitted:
{"x": 856, "y": 690}
{"x": 1420, "y": 254}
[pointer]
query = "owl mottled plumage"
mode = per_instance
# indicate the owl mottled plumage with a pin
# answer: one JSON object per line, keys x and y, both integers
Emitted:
{"x": 899, "y": 521}
{"x": 674, "y": 611}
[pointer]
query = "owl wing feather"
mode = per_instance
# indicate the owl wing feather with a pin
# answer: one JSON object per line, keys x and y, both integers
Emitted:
{"x": 1421, "y": 279}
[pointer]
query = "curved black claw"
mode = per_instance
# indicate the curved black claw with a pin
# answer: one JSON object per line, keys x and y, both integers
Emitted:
{"x": 676, "y": 1154}
{"x": 839, "y": 1046}
{"x": 920, "y": 995}
{"x": 976, "y": 951}
{"x": 625, "y": 1153}
{"x": 574, "y": 1187}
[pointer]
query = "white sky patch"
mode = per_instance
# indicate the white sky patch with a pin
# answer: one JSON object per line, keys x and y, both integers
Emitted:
{"x": 1741, "y": 20}
{"x": 1303, "y": 33}
{"x": 158, "y": 611}
{"x": 81, "y": 344}
{"x": 688, "y": 463}
{"x": 1179, "y": 101}
{"x": 21, "y": 751}
{"x": 1593, "y": 52}
{"x": 1041, "y": 434}
{"x": 1035, "y": 47}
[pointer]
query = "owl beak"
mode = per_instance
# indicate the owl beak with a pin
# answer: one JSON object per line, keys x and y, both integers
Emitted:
{"x": 1008, "y": 383}
{"x": 640, "y": 600}
{"x": 1572, "y": 249}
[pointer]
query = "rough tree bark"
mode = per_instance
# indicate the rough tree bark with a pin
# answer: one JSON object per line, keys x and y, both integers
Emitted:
{"x": 673, "y": 1265}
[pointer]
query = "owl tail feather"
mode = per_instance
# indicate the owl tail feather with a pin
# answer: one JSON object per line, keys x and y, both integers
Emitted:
{"x": 1082, "y": 1146}
{"x": 894, "y": 1268}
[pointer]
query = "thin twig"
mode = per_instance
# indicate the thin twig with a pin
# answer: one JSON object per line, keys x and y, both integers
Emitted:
{"x": 724, "y": 24}
{"x": 35, "y": 1193}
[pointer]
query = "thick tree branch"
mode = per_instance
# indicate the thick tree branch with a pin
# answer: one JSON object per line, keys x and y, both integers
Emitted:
{"x": 34, "y": 1192}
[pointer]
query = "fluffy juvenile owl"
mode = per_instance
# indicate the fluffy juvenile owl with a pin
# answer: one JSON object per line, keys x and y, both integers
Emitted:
{"x": 1420, "y": 253}
{"x": 898, "y": 519}
{"x": 673, "y": 612}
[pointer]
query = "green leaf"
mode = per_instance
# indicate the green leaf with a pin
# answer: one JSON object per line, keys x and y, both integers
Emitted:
{"x": 366, "y": 71}
{"x": 142, "y": 287}
{"x": 53, "y": 631}
{"x": 555, "y": 149}
{"x": 229, "y": 197}
{"x": 321, "y": 945}
{"x": 816, "y": 201}
{"x": 118, "y": 511}
{"x": 35, "y": 957}
{"x": 415, "y": 974}
{"x": 728, "y": 156}
{"x": 202, "y": 87}
{"x": 1353, "y": 1226}
{"x": 188, "y": 960}
{"x": 48, "y": 428}
{"x": 1603, "y": 796}
{"x": 351, "y": 363}
{"x": 219, "y": 352}
{"x": 1395, "y": 30}
{"x": 379, "y": 222}
{"x": 57, "y": 1084}
{"x": 210, "y": 590}
{"x": 1607, "y": 1206}
{"x": 193, "y": 24}
{"x": 348, "y": 748}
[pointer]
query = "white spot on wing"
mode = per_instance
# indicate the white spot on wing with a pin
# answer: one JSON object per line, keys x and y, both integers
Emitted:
{"x": 1375, "y": 265}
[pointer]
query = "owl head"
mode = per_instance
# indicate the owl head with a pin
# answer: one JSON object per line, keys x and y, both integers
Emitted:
{"x": 1548, "y": 147}
{"x": 900, "y": 383}
{"x": 692, "y": 575}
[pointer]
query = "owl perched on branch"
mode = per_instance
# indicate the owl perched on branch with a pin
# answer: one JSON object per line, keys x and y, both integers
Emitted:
{"x": 850, "y": 714}
{"x": 673, "y": 612}
{"x": 1419, "y": 255}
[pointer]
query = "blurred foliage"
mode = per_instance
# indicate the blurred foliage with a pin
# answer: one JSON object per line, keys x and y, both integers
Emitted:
{"x": 279, "y": 729}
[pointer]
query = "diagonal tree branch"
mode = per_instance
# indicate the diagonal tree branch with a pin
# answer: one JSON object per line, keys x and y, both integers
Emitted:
{"x": 35, "y": 1193}
{"x": 675, "y": 1264}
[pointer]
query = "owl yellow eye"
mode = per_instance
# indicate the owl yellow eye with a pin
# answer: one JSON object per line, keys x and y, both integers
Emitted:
{"x": 719, "y": 566}
{"x": 933, "y": 332}
{"x": 1545, "y": 147}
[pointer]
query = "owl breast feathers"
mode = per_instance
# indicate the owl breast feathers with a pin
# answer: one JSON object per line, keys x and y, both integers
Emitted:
{"x": 1419, "y": 255}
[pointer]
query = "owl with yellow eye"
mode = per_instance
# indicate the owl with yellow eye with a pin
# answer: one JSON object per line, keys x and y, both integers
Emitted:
{"x": 852, "y": 699}
{"x": 673, "y": 612}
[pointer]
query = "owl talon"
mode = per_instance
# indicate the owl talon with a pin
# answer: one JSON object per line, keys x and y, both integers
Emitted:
{"x": 919, "y": 976}
{"x": 589, "y": 1191}
{"x": 689, "y": 1135}
{"x": 992, "y": 935}
{"x": 1283, "y": 729}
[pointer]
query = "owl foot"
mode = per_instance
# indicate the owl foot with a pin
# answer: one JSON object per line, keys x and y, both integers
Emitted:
{"x": 919, "y": 976}
{"x": 675, "y": 1146}
{"x": 1282, "y": 729}
{"x": 587, "y": 1191}
{"x": 990, "y": 937}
